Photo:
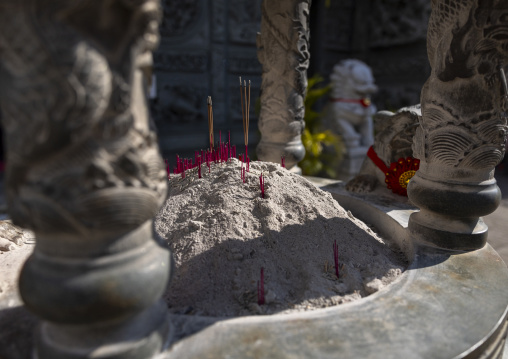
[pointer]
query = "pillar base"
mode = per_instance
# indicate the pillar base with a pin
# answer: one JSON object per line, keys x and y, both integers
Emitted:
{"x": 450, "y": 212}
{"x": 141, "y": 337}
{"x": 293, "y": 151}
{"x": 438, "y": 237}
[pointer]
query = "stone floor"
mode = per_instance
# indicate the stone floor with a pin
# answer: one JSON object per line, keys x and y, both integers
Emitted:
{"x": 498, "y": 221}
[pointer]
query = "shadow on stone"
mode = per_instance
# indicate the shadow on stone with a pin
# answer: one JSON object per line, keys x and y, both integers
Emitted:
{"x": 298, "y": 267}
{"x": 17, "y": 326}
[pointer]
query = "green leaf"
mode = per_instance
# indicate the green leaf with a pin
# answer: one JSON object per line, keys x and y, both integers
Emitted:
{"x": 317, "y": 160}
{"x": 316, "y": 148}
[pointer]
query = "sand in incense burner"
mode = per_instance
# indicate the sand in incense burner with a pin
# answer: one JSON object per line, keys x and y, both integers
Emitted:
{"x": 222, "y": 233}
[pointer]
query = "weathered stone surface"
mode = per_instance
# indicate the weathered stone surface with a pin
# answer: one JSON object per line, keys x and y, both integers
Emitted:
{"x": 463, "y": 128}
{"x": 426, "y": 314}
{"x": 84, "y": 173}
{"x": 283, "y": 50}
{"x": 393, "y": 141}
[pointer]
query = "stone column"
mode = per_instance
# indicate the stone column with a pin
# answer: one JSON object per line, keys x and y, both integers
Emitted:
{"x": 283, "y": 50}
{"x": 462, "y": 131}
{"x": 84, "y": 173}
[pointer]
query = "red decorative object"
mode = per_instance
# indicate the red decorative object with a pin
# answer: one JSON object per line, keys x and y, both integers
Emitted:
{"x": 398, "y": 175}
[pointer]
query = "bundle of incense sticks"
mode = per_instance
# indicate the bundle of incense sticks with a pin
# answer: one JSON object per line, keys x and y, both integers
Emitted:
{"x": 245, "y": 99}
{"x": 223, "y": 153}
{"x": 210, "y": 121}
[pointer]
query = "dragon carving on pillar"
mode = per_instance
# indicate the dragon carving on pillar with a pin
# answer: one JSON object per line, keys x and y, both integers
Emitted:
{"x": 463, "y": 124}
{"x": 283, "y": 50}
{"x": 84, "y": 172}
{"x": 463, "y": 127}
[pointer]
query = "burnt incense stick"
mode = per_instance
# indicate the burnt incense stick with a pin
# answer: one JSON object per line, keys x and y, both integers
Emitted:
{"x": 210, "y": 121}
{"x": 243, "y": 106}
{"x": 336, "y": 257}
{"x": 248, "y": 120}
{"x": 245, "y": 99}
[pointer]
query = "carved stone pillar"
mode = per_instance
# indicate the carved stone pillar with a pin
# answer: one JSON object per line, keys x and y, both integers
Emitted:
{"x": 84, "y": 173}
{"x": 283, "y": 50}
{"x": 462, "y": 131}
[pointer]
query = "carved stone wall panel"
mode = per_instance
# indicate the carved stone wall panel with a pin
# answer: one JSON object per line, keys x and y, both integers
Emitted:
{"x": 202, "y": 53}
{"x": 339, "y": 25}
{"x": 219, "y": 18}
{"x": 185, "y": 22}
{"x": 400, "y": 74}
{"x": 181, "y": 61}
{"x": 244, "y": 62}
{"x": 407, "y": 64}
{"x": 397, "y": 22}
{"x": 395, "y": 96}
{"x": 219, "y": 89}
{"x": 184, "y": 100}
{"x": 244, "y": 19}
{"x": 183, "y": 142}
{"x": 179, "y": 113}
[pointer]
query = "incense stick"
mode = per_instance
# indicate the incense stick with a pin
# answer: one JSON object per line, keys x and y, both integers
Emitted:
{"x": 245, "y": 100}
{"x": 243, "y": 107}
{"x": 248, "y": 119}
{"x": 210, "y": 121}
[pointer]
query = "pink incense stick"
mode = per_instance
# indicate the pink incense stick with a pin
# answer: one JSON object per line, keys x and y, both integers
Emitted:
{"x": 283, "y": 161}
{"x": 262, "y": 185}
{"x": 229, "y": 144}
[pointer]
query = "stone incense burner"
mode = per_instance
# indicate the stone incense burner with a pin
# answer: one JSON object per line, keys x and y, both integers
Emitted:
{"x": 84, "y": 173}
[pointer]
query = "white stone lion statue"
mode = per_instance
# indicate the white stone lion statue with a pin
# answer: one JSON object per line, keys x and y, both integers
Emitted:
{"x": 350, "y": 112}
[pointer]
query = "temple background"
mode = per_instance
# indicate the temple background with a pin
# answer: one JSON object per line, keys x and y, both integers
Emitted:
{"x": 207, "y": 44}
